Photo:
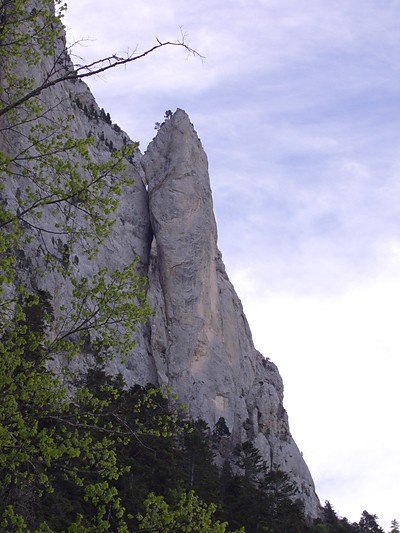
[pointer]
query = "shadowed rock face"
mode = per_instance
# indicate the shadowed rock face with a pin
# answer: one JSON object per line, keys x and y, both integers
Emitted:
{"x": 200, "y": 338}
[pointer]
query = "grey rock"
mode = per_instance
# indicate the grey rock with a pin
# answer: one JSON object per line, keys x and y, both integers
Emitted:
{"x": 200, "y": 339}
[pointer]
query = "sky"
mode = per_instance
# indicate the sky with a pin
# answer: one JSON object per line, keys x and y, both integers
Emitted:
{"x": 297, "y": 105}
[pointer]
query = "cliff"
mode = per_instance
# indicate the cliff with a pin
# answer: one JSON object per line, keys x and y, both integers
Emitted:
{"x": 199, "y": 341}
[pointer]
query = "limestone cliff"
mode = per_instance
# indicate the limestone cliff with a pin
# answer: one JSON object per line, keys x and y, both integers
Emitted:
{"x": 199, "y": 341}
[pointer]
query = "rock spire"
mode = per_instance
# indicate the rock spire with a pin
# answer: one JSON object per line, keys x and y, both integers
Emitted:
{"x": 200, "y": 339}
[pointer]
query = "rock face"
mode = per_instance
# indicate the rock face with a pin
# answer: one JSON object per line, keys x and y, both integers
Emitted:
{"x": 199, "y": 341}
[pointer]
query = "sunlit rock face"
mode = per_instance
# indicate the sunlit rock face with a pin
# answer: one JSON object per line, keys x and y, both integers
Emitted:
{"x": 199, "y": 341}
{"x": 200, "y": 338}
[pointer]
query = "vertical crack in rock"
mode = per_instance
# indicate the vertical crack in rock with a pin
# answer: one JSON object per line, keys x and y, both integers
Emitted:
{"x": 200, "y": 338}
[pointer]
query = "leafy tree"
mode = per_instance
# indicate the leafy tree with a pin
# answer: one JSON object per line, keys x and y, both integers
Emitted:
{"x": 80, "y": 482}
{"x": 68, "y": 456}
{"x": 186, "y": 514}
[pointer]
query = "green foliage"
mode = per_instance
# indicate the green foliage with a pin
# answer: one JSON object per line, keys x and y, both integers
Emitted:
{"x": 66, "y": 453}
{"x": 47, "y": 435}
{"x": 187, "y": 514}
{"x": 27, "y": 32}
{"x": 105, "y": 308}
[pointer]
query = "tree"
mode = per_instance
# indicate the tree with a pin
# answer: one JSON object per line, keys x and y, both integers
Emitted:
{"x": 259, "y": 498}
{"x": 330, "y": 516}
{"x": 395, "y": 526}
{"x": 54, "y": 192}
{"x": 198, "y": 470}
{"x": 282, "y": 511}
{"x": 63, "y": 452}
{"x": 368, "y": 523}
{"x": 186, "y": 514}
{"x": 220, "y": 430}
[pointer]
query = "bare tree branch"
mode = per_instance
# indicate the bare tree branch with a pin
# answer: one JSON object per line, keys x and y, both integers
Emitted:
{"x": 95, "y": 68}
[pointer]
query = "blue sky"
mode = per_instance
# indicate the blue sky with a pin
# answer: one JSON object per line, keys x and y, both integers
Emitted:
{"x": 297, "y": 106}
